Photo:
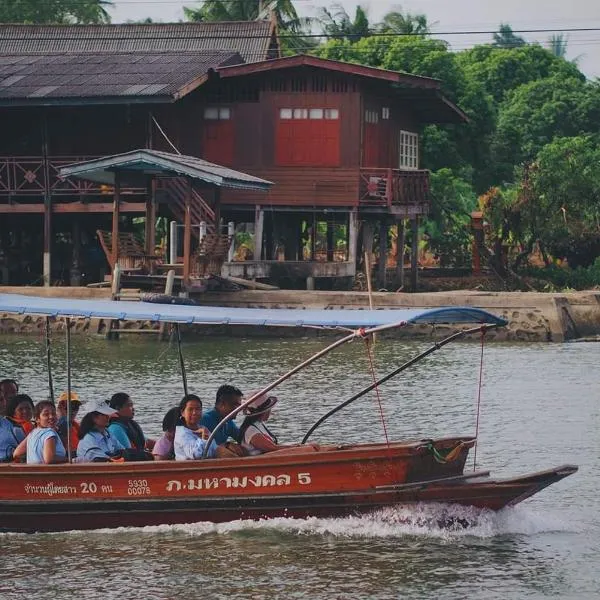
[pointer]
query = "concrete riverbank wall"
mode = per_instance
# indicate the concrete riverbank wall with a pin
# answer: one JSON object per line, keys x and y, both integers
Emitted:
{"x": 532, "y": 316}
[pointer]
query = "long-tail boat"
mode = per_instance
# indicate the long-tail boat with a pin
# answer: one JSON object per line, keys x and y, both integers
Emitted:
{"x": 332, "y": 480}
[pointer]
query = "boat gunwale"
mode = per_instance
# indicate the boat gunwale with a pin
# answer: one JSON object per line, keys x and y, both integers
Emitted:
{"x": 335, "y": 455}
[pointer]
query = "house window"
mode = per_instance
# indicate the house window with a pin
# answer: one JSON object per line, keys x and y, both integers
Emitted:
{"x": 217, "y": 113}
{"x": 385, "y": 113}
{"x": 308, "y": 137}
{"x": 408, "y": 150}
{"x": 218, "y": 136}
{"x": 371, "y": 117}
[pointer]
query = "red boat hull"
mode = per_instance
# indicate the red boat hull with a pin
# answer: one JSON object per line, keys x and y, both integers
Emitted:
{"x": 334, "y": 481}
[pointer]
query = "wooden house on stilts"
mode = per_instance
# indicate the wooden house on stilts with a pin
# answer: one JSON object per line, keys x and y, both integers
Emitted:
{"x": 338, "y": 141}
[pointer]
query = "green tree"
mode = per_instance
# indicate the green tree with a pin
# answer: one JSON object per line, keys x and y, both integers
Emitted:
{"x": 536, "y": 113}
{"x": 291, "y": 27}
{"x": 448, "y": 225}
{"x": 505, "y": 38}
{"x": 557, "y": 45}
{"x": 564, "y": 186}
{"x": 397, "y": 22}
{"x": 55, "y": 12}
{"x": 336, "y": 22}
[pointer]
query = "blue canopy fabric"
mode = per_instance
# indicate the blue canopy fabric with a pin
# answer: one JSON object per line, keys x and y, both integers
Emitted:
{"x": 219, "y": 315}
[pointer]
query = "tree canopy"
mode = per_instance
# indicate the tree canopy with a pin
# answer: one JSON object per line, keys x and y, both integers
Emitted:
{"x": 55, "y": 12}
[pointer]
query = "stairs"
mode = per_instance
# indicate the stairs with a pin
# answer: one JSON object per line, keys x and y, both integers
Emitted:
{"x": 175, "y": 188}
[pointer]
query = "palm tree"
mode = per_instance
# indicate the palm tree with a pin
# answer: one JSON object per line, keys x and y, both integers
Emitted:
{"x": 505, "y": 38}
{"x": 58, "y": 12}
{"x": 337, "y": 23}
{"x": 289, "y": 23}
{"x": 557, "y": 44}
{"x": 404, "y": 24}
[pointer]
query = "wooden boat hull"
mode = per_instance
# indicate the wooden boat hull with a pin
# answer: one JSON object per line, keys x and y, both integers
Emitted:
{"x": 334, "y": 481}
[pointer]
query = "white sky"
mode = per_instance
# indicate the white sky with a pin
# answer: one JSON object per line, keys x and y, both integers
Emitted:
{"x": 446, "y": 15}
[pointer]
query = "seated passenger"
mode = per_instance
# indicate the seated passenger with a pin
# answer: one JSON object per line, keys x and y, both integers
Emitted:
{"x": 164, "y": 449}
{"x": 10, "y": 437}
{"x": 122, "y": 425}
{"x": 19, "y": 411}
{"x": 43, "y": 445}
{"x": 8, "y": 389}
{"x": 255, "y": 437}
{"x": 190, "y": 438}
{"x": 95, "y": 442}
{"x": 62, "y": 427}
{"x": 228, "y": 399}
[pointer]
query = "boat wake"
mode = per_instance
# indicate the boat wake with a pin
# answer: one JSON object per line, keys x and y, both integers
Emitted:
{"x": 444, "y": 521}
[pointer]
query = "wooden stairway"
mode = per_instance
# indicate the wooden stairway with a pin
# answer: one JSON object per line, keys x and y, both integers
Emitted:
{"x": 175, "y": 188}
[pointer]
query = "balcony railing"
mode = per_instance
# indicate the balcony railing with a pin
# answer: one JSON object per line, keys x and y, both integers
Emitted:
{"x": 31, "y": 176}
{"x": 395, "y": 188}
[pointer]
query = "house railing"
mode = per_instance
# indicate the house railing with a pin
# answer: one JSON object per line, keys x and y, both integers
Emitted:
{"x": 31, "y": 176}
{"x": 394, "y": 187}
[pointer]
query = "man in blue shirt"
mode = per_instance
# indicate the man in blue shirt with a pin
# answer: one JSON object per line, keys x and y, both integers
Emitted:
{"x": 228, "y": 398}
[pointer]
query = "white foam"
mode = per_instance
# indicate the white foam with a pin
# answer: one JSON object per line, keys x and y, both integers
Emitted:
{"x": 441, "y": 521}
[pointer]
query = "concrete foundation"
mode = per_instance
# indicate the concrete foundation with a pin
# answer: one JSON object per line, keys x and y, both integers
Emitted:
{"x": 532, "y": 316}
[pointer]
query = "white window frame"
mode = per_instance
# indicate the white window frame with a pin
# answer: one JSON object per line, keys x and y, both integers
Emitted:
{"x": 217, "y": 113}
{"x": 408, "y": 150}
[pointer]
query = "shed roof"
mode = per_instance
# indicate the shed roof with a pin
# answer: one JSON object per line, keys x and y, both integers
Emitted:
{"x": 252, "y": 39}
{"x": 425, "y": 92}
{"x": 106, "y": 77}
{"x": 165, "y": 164}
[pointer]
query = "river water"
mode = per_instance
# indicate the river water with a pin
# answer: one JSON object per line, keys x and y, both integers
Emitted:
{"x": 539, "y": 408}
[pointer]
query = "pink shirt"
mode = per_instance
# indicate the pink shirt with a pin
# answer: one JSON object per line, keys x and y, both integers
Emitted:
{"x": 163, "y": 447}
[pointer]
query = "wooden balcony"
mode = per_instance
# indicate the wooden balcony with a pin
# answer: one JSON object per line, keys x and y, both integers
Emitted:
{"x": 402, "y": 193}
{"x": 34, "y": 177}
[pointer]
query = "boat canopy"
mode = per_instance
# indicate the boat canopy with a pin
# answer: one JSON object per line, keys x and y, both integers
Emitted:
{"x": 220, "y": 315}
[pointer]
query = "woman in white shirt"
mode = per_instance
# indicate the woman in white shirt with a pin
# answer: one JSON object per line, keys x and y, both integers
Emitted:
{"x": 190, "y": 437}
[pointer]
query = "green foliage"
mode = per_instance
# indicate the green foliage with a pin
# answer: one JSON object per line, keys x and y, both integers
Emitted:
{"x": 54, "y": 12}
{"x": 537, "y": 112}
{"x": 561, "y": 278}
{"x": 337, "y": 22}
{"x": 291, "y": 27}
{"x": 404, "y": 24}
{"x": 564, "y": 184}
{"x": 448, "y": 226}
{"x": 505, "y": 38}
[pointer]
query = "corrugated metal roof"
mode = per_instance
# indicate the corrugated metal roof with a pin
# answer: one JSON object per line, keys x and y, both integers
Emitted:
{"x": 98, "y": 77}
{"x": 251, "y": 39}
{"x": 102, "y": 170}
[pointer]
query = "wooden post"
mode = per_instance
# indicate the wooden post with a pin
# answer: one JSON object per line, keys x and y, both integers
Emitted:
{"x": 150, "y": 228}
{"x": 112, "y": 333}
{"x": 47, "y": 239}
{"x": 231, "y": 236}
{"x": 187, "y": 233}
{"x": 47, "y": 262}
{"x": 168, "y": 292}
{"x": 313, "y": 238}
{"x": 330, "y": 240}
{"x": 383, "y": 235}
{"x": 400, "y": 240}
{"x": 259, "y": 223}
{"x": 217, "y": 209}
{"x": 368, "y": 239}
{"x": 352, "y": 236}
{"x": 75, "y": 271}
{"x": 414, "y": 256}
{"x": 115, "y": 222}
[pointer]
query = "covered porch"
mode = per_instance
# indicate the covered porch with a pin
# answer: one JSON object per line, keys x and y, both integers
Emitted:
{"x": 150, "y": 169}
